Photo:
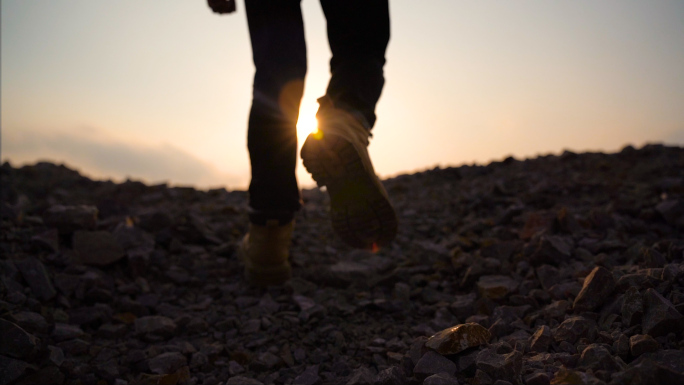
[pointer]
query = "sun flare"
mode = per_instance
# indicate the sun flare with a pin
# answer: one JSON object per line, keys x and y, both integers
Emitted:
{"x": 306, "y": 125}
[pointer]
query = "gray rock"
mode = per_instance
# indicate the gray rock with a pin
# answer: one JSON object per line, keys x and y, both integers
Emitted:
{"x": 49, "y": 375}
{"x": 361, "y": 376}
{"x": 308, "y": 377}
{"x": 47, "y": 240}
{"x": 11, "y": 370}
{"x": 547, "y": 275}
{"x": 642, "y": 343}
{"x": 598, "y": 286}
{"x": 394, "y": 375}
{"x": 573, "y": 329}
{"x": 166, "y": 363}
{"x": 68, "y": 219}
{"x": 672, "y": 211}
{"x": 16, "y": 342}
{"x": 155, "y": 325}
{"x": 241, "y": 380}
{"x": 266, "y": 361}
{"x": 632, "y": 307}
{"x": 97, "y": 248}
{"x": 56, "y": 355}
{"x": 63, "y": 332}
{"x": 496, "y": 286}
{"x": 235, "y": 368}
{"x": 552, "y": 249}
{"x": 31, "y": 322}
{"x": 433, "y": 363}
{"x": 597, "y": 357}
{"x": 112, "y": 331}
{"x": 458, "y": 338}
{"x": 108, "y": 370}
{"x": 35, "y": 274}
{"x": 505, "y": 367}
{"x": 198, "y": 360}
{"x": 539, "y": 378}
{"x": 463, "y": 305}
{"x": 569, "y": 376}
{"x": 75, "y": 347}
{"x": 621, "y": 346}
{"x": 250, "y": 326}
{"x": 441, "y": 379}
{"x": 541, "y": 340}
{"x": 660, "y": 316}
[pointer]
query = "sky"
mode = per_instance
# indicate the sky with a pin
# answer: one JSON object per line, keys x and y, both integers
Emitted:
{"x": 160, "y": 90}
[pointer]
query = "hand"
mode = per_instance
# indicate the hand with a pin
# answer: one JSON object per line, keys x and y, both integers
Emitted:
{"x": 222, "y": 6}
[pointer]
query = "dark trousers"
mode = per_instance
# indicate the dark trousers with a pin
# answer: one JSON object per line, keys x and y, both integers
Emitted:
{"x": 358, "y": 33}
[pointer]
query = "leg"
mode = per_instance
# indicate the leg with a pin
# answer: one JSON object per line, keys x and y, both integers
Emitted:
{"x": 337, "y": 156}
{"x": 358, "y": 32}
{"x": 277, "y": 33}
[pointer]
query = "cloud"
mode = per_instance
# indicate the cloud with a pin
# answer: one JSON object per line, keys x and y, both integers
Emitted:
{"x": 97, "y": 154}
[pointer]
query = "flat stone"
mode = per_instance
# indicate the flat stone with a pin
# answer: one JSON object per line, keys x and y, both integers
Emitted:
{"x": 433, "y": 363}
{"x": 36, "y": 275}
{"x": 496, "y": 286}
{"x": 16, "y": 342}
{"x": 598, "y": 286}
{"x": 155, "y": 325}
{"x": 11, "y": 370}
{"x": 68, "y": 219}
{"x": 660, "y": 316}
{"x": 441, "y": 379}
{"x": 642, "y": 343}
{"x": 308, "y": 377}
{"x": 458, "y": 338}
{"x": 541, "y": 340}
{"x": 167, "y": 363}
{"x": 97, "y": 248}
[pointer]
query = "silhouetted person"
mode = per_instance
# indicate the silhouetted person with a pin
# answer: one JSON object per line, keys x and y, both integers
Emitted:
{"x": 336, "y": 155}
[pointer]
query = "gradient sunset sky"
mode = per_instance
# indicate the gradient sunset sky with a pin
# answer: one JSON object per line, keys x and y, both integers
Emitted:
{"x": 159, "y": 90}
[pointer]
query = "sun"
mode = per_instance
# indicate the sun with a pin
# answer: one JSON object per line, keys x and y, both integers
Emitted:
{"x": 306, "y": 124}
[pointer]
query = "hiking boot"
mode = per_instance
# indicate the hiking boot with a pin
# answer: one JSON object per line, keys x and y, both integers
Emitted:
{"x": 265, "y": 251}
{"x": 337, "y": 157}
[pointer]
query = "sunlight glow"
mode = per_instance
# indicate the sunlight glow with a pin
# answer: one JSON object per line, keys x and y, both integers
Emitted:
{"x": 306, "y": 125}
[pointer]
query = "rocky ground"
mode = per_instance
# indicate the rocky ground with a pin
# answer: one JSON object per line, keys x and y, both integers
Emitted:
{"x": 555, "y": 270}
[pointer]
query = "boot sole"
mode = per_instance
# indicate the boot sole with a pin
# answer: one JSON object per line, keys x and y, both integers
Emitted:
{"x": 360, "y": 213}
